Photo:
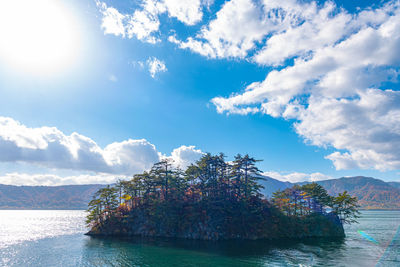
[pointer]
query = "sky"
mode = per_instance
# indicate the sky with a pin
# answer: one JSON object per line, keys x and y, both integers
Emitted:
{"x": 92, "y": 91}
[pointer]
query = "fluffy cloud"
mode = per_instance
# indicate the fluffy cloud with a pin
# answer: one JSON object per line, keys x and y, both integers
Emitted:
{"x": 334, "y": 90}
{"x": 155, "y": 66}
{"x": 144, "y": 22}
{"x": 188, "y": 11}
{"x": 296, "y": 177}
{"x": 54, "y": 180}
{"x": 242, "y": 24}
{"x": 113, "y": 21}
{"x": 185, "y": 155}
{"x": 182, "y": 157}
{"x": 320, "y": 28}
{"x": 51, "y": 148}
{"x": 332, "y": 71}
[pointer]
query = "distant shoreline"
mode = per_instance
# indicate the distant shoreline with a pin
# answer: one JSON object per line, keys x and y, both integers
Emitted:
{"x": 34, "y": 209}
{"x": 379, "y": 209}
{"x": 84, "y": 209}
{"x": 76, "y": 197}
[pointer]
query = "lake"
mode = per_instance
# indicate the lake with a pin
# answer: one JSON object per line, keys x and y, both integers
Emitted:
{"x": 55, "y": 238}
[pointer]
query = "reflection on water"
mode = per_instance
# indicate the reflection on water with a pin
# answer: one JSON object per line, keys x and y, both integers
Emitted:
{"x": 170, "y": 252}
{"x": 57, "y": 245}
{"x": 18, "y": 226}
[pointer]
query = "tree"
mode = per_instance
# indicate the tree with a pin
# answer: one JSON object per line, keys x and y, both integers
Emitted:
{"x": 281, "y": 200}
{"x": 236, "y": 174}
{"x": 94, "y": 211}
{"x": 178, "y": 184}
{"x": 346, "y": 208}
{"x": 104, "y": 201}
{"x": 251, "y": 175}
{"x": 119, "y": 185}
{"x": 211, "y": 187}
{"x": 108, "y": 198}
{"x": 162, "y": 171}
{"x": 302, "y": 200}
{"x": 246, "y": 175}
{"x": 319, "y": 197}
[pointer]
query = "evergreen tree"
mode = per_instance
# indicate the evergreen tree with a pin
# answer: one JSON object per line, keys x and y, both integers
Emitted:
{"x": 226, "y": 192}
{"x": 318, "y": 195}
{"x": 346, "y": 208}
{"x": 162, "y": 172}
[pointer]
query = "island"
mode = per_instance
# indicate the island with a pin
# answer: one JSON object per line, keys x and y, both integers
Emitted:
{"x": 214, "y": 199}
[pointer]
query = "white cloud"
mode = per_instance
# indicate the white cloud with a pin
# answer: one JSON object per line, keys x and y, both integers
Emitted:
{"x": 204, "y": 49}
{"x": 242, "y": 24}
{"x": 296, "y": 177}
{"x": 331, "y": 74}
{"x": 320, "y": 29}
{"x": 26, "y": 179}
{"x": 188, "y": 11}
{"x": 144, "y": 22}
{"x": 112, "y": 21}
{"x": 367, "y": 127}
{"x": 51, "y": 148}
{"x": 333, "y": 93}
{"x": 155, "y": 66}
{"x": 138, "y": 64}
{"x": 185, "y": 155}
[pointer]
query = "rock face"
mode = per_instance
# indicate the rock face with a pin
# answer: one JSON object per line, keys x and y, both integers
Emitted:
{"x": 217, "y": 228}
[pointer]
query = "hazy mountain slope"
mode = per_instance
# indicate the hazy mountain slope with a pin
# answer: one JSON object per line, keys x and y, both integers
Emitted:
{"x": 371, "y": 193}
{"x": 46, "y": 197}
{"x": 395, "y": 184}
{"x": 272, "y": 185}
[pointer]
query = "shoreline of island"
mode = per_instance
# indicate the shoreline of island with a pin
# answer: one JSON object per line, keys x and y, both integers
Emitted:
{"x": 216, "y": 200}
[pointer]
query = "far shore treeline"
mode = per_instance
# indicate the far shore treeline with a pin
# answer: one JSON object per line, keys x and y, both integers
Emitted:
{"x": 214, "y": 199}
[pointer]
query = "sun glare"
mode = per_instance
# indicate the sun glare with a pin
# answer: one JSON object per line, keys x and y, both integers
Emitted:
{"x": 38, "y": 36}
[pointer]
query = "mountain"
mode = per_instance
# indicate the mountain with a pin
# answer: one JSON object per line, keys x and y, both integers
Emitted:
{"x": 46, "y": 197}
{"x": 272, "y": 185}
{"x": 371, "y": 193}
{"x": 395, "y": 184}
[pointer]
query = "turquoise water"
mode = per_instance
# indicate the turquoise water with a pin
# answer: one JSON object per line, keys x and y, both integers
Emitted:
{"x": 55, "y": 238}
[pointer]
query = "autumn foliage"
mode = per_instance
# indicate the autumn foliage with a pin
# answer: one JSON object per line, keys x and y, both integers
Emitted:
{"x": 212, "y": 199}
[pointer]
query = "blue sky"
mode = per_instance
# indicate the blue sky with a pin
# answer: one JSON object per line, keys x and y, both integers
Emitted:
{"x": 94, "y": 90}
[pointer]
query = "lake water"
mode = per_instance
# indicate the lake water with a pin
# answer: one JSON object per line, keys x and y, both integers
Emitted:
{"x": 55, "y": 238}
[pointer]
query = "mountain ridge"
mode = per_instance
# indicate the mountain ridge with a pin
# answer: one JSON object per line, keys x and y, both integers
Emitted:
{"x": 372, "y": 193}
{"x": 46, "y": 197}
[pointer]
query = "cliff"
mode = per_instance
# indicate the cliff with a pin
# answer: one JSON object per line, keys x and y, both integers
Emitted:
{"x": 213, "y": 223}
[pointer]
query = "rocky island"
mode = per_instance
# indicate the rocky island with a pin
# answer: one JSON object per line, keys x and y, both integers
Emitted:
{"x": 216, "y": 200}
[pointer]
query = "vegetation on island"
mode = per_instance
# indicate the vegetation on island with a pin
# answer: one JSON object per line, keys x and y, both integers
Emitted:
{"x": 313, "y": 198}
{"x": 214, "y": 199}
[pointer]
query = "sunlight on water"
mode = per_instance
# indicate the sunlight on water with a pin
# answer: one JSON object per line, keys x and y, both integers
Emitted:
{"x": 17, "y": 226}
{"x": 55, "y": 238}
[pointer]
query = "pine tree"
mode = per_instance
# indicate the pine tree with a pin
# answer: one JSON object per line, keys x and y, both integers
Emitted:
{"x": 346, "y": 208}
{"x": 162, "y": 172}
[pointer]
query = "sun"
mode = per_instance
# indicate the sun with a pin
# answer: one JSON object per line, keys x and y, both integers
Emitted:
{"x": 40, "y": 37}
